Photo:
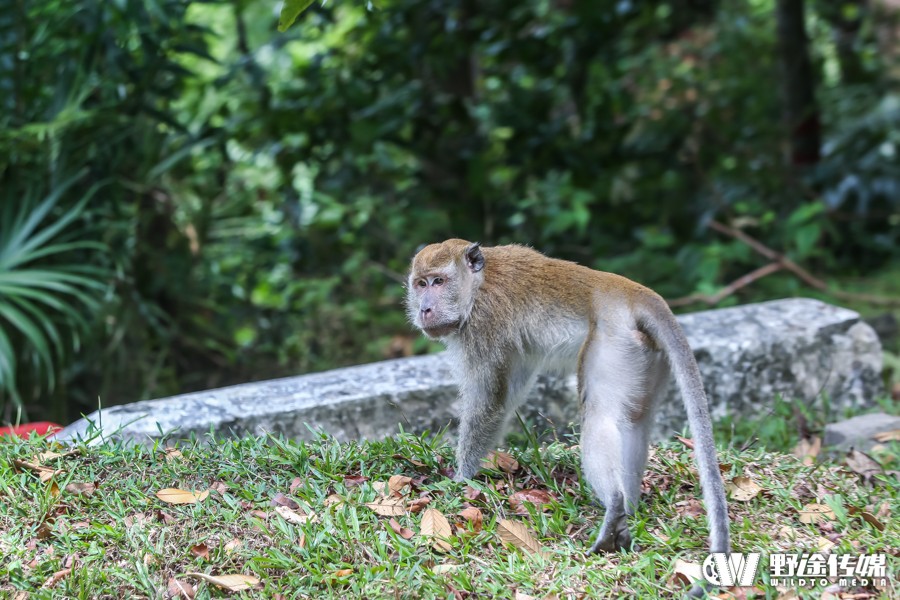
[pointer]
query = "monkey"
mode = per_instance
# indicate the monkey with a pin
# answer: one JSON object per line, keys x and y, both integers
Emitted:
{"x": 508, "y": 313}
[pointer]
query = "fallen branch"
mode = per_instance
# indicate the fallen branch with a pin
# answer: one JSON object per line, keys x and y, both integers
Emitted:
{"x": 799, "y": 271}
{"x": 713, "y": 299}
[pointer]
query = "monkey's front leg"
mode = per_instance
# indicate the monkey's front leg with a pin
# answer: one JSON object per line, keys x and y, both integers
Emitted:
{"x": 479, "y": 430}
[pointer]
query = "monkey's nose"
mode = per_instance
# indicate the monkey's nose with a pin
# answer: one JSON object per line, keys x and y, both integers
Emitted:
{"x": 426, "y": 314}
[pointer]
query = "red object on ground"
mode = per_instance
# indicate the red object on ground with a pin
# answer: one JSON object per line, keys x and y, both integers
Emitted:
{"x": 39, "y": 427}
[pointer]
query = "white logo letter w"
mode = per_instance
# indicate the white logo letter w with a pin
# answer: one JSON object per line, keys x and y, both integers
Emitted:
{"x": 731, "y": 569}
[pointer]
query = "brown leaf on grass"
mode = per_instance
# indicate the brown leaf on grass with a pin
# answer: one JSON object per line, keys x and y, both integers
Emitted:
{"x": 742, "y": 489}
{"x": 686, "y": 572}
{"x": 165, "y": 518}
{"x": 296, "y": 483}
{"x": 519, "y": 535}
{"x": 808, "y": 449}
{"x": 863, "y": 464}
{"x": 814, "y": 513}
{"x": 872, "y": 520}
{"x": 387, "y": 506}
{"x": 180, "y": 589}
{"x": 333, "y": 500}
{"x": 689, "y": 443}
{"x": 501, "y": 461}
{"x": 200, "y": 551}
{"x": 233, "y": 545}
{"x": 354, "y": 480}
{"x": 45, "y": 474}
{"x": 282, "y": 500}
{"x": 174, "y": 455}
{"x": 177, "y": 496}
{"x": 887, "y": 436}
{"x": 473, "y": 494}
{"x": 260, "y": 514}
{"x": 138, "y": 519}
{"x": 436, "y": 529}
{"x": 293, "y": 516}
{"x": 232, "y": 583}
{"x": 418, "y": 505}
{"x": 523, "y": 596}
{"x": 691, "y": 507}
{"x": 445, "y": 568}
{"x": 56, "y": 578}
{"x": 343, "y": 572}
{"x": 44, "y": 457}
{"x": 84, "y": 489}
{"x": 473, "y": 516}
{"x": 396, "y": 484}
{"x": 884, "y": 511}
{"x": 220, "y": 487}
{"x": 539, "y": 498}
{"x": 399, "y": 530}
{"x": 149, "y": 559}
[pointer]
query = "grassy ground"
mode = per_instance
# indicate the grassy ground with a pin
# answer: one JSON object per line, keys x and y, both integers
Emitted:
{"x": 353, "y": 521}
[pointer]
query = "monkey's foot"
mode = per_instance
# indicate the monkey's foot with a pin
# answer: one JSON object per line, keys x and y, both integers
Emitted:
{"x": 613, "y": 538}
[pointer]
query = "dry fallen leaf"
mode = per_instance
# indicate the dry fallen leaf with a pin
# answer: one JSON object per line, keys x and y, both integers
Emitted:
{"x": 808, "y": 449}
{"x": 293, "y": 516}
{"x": 473, "y": 494}
{"x": 173, "y": 454}
{"x": 687, "y": 442}
{"x": 686, "y": 573}
{"x": 502, "y": 461}
{"x": 519, "y": 535}
{"x": 742, "y": 489}
{"x": 863, "y": 464}
{"x": 85, "y": 489}
{"x": 176, "y": 496}
{"x": 523, "y": 596}
{"x": 233, "y": 545}
{"x": 232, "y": 583}
{"x": 200, "y": 551}
{"x": 296, "y": 483}
{"x": 813, "y": 513}
{"x": 887, "y": 436}
{"x": 180, "y": 589}
{"x": 45, "y": 474}
{"x": 872, "y": 520}
{"x": 56, "y": 578}
{"x": 396, "y": 484}
{"x": 691, "y": 507}
{"x": 399, "y": 530}
{"x": 419, "y": 504}
{"x": 472, "y": 515}
{"x": 539, "y": 498}
{"x": 387, "y": 506}
{"x": 333, "y": 500}
{"x": 436, "y": 529}
{"x": 282, "y": 500}
{"x": 343, "y": 572}
{"x": 354, "y": 480}
{"x": 445, "y": 568}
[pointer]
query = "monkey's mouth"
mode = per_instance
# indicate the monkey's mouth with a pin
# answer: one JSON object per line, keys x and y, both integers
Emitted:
{"x": 442, "y": 330}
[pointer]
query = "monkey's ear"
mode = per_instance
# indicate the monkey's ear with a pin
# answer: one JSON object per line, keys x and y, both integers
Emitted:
{"x": 474, "y": 257}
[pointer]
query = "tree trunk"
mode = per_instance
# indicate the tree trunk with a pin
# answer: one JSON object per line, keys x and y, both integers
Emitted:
{"x": 799, "y": 108}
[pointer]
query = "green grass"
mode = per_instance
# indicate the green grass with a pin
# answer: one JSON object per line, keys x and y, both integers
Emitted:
{"x": 121, "y": 541}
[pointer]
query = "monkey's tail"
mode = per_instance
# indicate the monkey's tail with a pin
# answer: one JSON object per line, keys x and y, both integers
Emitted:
{"x": 660, "y": 324}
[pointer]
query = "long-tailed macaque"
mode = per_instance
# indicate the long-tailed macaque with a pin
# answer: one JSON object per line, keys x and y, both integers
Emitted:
{"x": 507, "y": 313}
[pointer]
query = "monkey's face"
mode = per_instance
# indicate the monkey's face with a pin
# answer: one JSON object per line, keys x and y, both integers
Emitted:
{"x": 442, "y": 283}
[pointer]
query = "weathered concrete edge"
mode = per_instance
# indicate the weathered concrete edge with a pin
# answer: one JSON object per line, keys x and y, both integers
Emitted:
{"x": 368, "y": 401}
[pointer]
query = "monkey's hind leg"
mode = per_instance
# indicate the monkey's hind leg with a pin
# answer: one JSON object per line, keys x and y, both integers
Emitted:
{"x": 621, "y": 381}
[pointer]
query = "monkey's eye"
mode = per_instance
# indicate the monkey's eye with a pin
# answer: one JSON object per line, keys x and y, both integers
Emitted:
{"x": 438, "y": 281}
{"x": 421, "y": 283}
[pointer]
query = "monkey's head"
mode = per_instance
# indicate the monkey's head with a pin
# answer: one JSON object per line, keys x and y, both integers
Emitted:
{"x": 443, "y": 280}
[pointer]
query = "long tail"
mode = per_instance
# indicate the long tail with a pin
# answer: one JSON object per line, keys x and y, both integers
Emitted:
{"x": 659, "y": 322}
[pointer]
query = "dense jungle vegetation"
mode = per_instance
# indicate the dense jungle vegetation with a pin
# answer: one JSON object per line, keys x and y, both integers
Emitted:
{"x": 190, "y": 198}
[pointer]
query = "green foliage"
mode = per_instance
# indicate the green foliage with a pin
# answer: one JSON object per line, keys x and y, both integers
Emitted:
{"x": 263, "y": 192}
{"x": 290, "y": 10}
{"x": 46, "y": 297}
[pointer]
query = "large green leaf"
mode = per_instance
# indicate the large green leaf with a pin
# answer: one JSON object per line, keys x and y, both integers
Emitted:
{"x": 290, "y": 11}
